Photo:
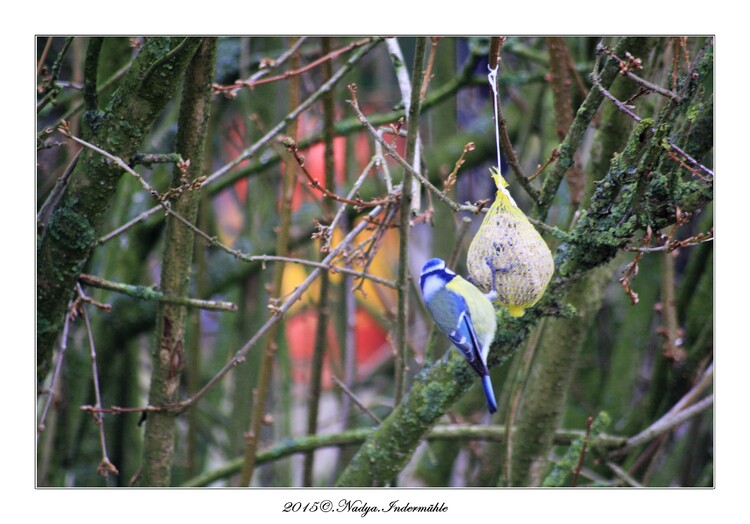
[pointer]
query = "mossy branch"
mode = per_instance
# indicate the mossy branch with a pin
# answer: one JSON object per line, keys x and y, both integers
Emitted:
{"x": 443, "y": 433}
{"x": 168, "y": 356}
{"x": 149, "y": 293}
{"x": 616, "y": 213}
{"x": 433, "y": 392}
{"x": 71, "y": 233}
{"x": 642, "y": 189}
{"x": 406, "y": 209}
{"x": 574, "y": 135}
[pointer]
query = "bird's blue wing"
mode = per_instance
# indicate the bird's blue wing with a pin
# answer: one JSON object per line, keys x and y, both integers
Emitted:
{"x": 451, "y": 314}
{"x": 465, "y": 339}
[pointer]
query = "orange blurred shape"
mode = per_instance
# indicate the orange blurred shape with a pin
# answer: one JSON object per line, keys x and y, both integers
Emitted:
{"x": 371, "y": 345}
{"x": 229, "y": 205}
{"x": 230, "y": 217}
{"x": 314, "y": 161}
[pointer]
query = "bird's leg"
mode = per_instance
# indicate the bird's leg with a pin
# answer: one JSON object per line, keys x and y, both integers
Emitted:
{"x": 492, "y": 294}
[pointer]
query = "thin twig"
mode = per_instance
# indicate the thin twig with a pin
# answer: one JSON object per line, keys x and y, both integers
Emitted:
{"x": 231, "y": 90}
{"x": 698, "y": 388}
{"x": 127, "y": 225}
{"x": 632, "y": 269}
{"x": 670, "y": 328}
{"x": 666, "y": 423}
{"x": 356, "y": 400}
{"x": 374, "y": 162}
{"x": 463, "y": 228}
{"x": 292, "y": 115}
{"x": 375, "y": 241}
{"x": 622, "y": 107}
{"x": 119, "y": 410}
{"x": 626, "y": 69}
{"x": 149, "y": 293}
{"x": 379, "y": 159}
{"x": 101, "y": 305}
{"x": 501, "y": 124}
{"x": 329, "y": 267}
{"x": 239, "y": 356}
{"x": 553, "y": 156}
{"x": 430, "y": 65}
{"x": 267, "y": 65}
{"x": 451, "y": 179}
{"x": 161, "y": 198}
{"x": 582, "y": 456}
{"x": 622, "y": 474}
{"x": 41, "y": 426}
{"x": 412, "y": 106}
{"x": 700, "y": 238}
{"x": 105, "y": 467}
{"x": 48, "y": 85}
{"x": 121, "y": 163}
{"x": 358, "y": 203}
{"x": 42, "y": 217}
{"x": 43, "y": 56}
{"x": 391, "y": 151}
{"x": 691, "y": 159}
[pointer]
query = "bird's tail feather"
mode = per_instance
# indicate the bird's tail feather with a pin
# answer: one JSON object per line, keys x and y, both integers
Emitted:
{"x": 489, "y": 393}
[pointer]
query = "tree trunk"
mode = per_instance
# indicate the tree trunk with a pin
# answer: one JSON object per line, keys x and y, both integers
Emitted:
{"x": 169, "y": 352}
{"x": 71, "y": 233}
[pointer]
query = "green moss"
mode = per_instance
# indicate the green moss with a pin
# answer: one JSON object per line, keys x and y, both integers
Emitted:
{"x": 72, "y": 229}
{"x": 433, "y": 400}
{"x": 565, "y": 160}
{"x": 65, "y": 246}
{"x": 692, "y": 113}
{"x": 93, "y": 119}
{"x": 44, "y": 326}
{"x": 133, "y": 131}
{"x": 706, "y": 66}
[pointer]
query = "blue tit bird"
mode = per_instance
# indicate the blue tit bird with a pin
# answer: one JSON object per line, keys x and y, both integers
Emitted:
{"x": 464, "y": 314}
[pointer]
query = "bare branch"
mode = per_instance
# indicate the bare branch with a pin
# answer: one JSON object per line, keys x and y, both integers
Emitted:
{"x": 105, "y": 467}
{"x": 239, "y": 356}
{"x": 149, "y": 293}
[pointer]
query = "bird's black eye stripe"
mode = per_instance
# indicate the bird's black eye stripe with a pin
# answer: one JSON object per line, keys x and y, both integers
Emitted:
{"x": 436, "y": 269}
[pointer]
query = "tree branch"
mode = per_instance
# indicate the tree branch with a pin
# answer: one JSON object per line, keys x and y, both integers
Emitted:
{"x": 71, "y": 232}
{"x": 149, "y": 293}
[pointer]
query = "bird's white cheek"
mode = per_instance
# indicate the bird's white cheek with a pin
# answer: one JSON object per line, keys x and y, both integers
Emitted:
{"x": 431, "y": 286}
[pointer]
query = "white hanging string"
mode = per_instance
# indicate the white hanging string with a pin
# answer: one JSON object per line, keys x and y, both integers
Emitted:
{"x": 492, "y": 77}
